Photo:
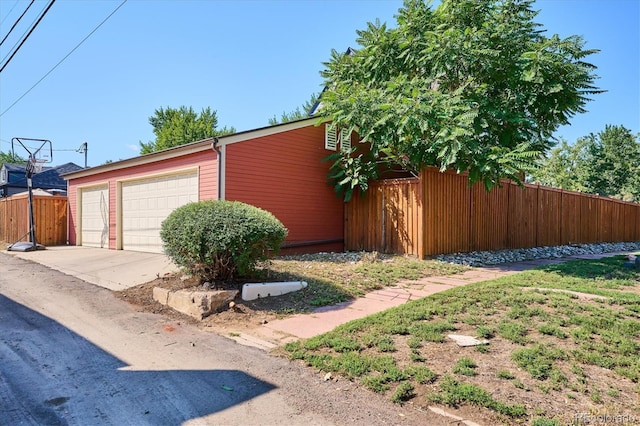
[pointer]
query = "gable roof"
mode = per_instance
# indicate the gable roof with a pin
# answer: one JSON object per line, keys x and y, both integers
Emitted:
{"x": 50, "y": 178}
{"x": 193, "y": 147}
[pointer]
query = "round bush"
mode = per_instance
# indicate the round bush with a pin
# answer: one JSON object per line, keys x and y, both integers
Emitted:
{"x": 220, "y": 240}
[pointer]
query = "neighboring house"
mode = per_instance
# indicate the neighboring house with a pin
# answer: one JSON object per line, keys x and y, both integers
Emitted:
{"x": 121, "y": 205}
{"x": 13, "y": 179}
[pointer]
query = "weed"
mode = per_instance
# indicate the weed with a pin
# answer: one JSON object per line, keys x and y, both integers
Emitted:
{"x": 414, "y": 342}
{"x": 465, "y": 366}
{"x": 416, "y": 356}
{"x": 421, "y": 374}
{"x": 377, "y": 384}
{"x": 613, "y": 393}
{"x": 513, "y": 331}
{"x": 552, "y": 330}
{"x": 540, "y": 421}
{"x": 505, "y": 374}
{"x": 486, "y": 332}
{"x": 519, "y": 385}
{"x": 403, "y": 393}
{"x": 483, "y": 349}
{"x": 595, "y": 397}
{"x": 351, "y": 364}
{"x": 454, "y": 393}
{"x": 537, "y": 360}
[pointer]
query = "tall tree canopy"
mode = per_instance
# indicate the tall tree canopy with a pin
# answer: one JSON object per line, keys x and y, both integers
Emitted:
{"x": 298, "y": 114}
{"x": 472, "y": 85}
{"x": 8, "y": 157}
{"x": 606, "y": 163}
{"x": 174, "y": 127}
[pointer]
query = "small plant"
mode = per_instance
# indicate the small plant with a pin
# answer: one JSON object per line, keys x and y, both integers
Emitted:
{"x": 538, "y": 360}
{"x": 486, "y": 332}
{"x": 545, "y": 422}
{"x": 414, "y": 343}
{"x": 403, "y": 393}
{"x": 505, "y": 374}
{"x": 519, "y": 385}
{"x": 595, "y": 397}
{"x": 416, "y": 356}
{"x": 454, "y": 393}
{"x": 513, "y": 331}
{"x": 552, "y": 330}
{"x": 377, "y": 384}
{"x": 422, "y": 374}
{"x": 465, "y": 366}
{"x": 483, "y": 349}
{"x": 219, "y": 240}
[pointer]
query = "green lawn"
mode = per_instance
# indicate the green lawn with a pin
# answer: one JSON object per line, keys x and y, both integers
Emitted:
{"x": 554, "y": 349}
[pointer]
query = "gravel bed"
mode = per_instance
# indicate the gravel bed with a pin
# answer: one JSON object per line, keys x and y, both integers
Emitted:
{"x": 479, "y": 258}
{"x": 482, "y": 258}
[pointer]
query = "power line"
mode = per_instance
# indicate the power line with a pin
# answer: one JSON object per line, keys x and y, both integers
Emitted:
{"x": 27, "y": 36}
{"x": 9, "y": 13}
{"x": 63, "y": 59}
{"x": 16, "y": 23}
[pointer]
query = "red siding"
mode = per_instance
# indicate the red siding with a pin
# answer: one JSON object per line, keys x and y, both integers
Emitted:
{"x": 206, "y": 161}
{"x": 284, "y": 174}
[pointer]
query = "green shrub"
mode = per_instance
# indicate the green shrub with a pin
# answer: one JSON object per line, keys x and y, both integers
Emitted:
{"x": 220, "y": 240}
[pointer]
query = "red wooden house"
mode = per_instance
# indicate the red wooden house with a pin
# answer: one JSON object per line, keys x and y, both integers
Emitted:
{"x": 121, "y": 205}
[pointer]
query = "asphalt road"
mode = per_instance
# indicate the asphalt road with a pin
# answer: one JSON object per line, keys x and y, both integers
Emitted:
{"x": 72, "y": 354}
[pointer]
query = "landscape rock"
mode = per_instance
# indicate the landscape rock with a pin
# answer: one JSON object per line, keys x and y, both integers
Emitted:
{"x": 197, "y": 304}
{"x": 486, "y": 258}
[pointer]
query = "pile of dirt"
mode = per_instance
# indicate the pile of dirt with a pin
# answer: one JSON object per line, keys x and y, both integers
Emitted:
{"x": 244, "y": 315}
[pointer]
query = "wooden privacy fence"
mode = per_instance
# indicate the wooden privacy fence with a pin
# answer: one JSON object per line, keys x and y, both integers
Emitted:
{"x": 439, "y": 213}
{"x": 50, "y": 218}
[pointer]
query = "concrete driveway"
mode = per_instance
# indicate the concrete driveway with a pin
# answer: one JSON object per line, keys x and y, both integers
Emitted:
{"x": 112, "y": 269}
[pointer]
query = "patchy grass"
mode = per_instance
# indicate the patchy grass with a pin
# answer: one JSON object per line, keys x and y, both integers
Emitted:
{"x": 562, "y": 353}
{"x": 336, "y": 277}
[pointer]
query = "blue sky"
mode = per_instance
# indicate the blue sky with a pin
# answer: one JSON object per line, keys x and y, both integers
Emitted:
{"x": 248, "y": 60}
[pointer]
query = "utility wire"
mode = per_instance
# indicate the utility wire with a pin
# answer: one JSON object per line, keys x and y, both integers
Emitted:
{"x": 16, "y": 23}
{"x": 9, "y": 13}
{"x": 27, "y": 36}
{"x": 63, "y": 59}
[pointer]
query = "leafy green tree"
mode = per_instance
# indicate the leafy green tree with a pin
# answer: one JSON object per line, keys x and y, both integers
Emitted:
{"x": 299, "y": 113}
{"x": 7, "y": 157}
{"x": 472, "y": 85}
{"x": 564, "y": 167}
{"x": 612, "y": 165}
{"x": 175, "y": 127}
{"x": 605, "y": 163}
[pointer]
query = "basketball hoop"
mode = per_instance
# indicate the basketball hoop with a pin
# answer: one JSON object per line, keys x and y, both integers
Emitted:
{"x": 40, "y": 152}
{"x": 37, "y": 164}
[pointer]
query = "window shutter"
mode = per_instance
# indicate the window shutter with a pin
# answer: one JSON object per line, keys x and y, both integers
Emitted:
{"x": 330, "y": 137}
{"x": 345, "y": 140}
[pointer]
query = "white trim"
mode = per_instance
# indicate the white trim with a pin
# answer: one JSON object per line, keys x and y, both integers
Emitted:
{"x": 345, "y": 136}
{"x": 167, "y": 173}
{"x": 194, "y": 147}
{"x": 267, "y": 131}
{"x": 204, "y": 145}
{"x": 142, "y": 178}
{"x": 79, "y": 189}
{"x": 330, "y": 137}
{"x": 222, "y": 179}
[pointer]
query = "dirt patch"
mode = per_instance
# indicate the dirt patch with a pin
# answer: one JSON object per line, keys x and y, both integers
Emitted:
{"x": 243, "y": 316}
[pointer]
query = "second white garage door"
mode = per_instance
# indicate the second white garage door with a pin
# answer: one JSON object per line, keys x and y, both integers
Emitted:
{"x": 146, "y": 203}
{"x": 95, "y": 217}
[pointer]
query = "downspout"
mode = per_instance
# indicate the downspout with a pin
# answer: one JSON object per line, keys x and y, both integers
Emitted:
{"x": 216, "y": 148}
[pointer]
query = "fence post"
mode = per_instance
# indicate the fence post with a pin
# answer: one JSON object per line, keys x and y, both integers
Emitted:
{"x": 420, "y": 212}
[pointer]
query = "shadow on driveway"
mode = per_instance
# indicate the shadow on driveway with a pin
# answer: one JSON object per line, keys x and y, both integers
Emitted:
{"x": 51, "y": 375}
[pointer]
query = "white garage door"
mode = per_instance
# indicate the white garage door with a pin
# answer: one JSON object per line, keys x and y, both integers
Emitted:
{"x": 146, "y": 203}
{"x": 95, "y": 217}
